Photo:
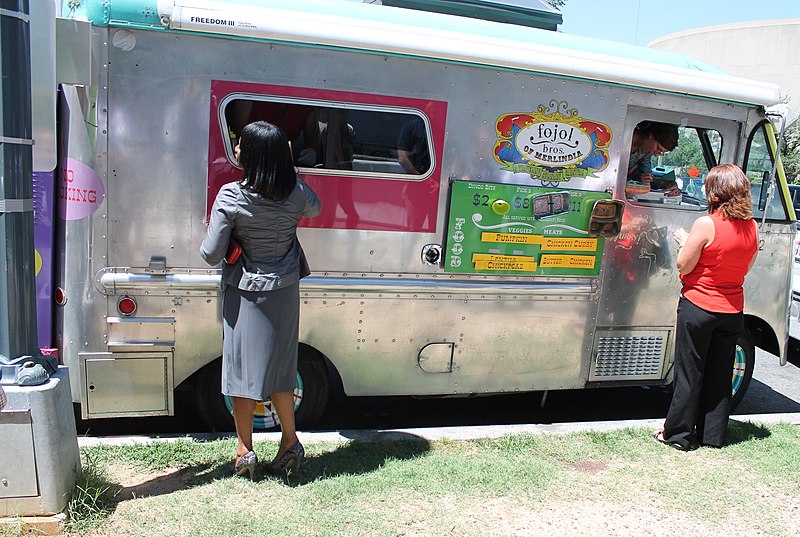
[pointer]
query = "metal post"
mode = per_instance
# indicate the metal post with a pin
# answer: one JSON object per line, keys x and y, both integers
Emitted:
{"x": 17, "y": 288}
{"x": 39, "y": 457}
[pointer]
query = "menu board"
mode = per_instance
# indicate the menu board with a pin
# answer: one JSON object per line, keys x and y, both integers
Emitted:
{"x": 497, "y": 228}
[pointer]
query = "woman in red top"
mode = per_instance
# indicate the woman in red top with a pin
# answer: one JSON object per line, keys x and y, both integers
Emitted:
{"x": 713, "y": 259}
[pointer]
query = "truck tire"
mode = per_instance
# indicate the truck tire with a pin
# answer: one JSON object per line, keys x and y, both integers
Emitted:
{"x": 209, "y": 401}
{"x": 313, "y": 374}
{"x": 744, "y": 362}
{"x": 793, "y": 354}
{"x": 310, "y": 396}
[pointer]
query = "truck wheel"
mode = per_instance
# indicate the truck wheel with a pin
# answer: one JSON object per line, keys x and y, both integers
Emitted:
{"x": 794, "y": 352}
{"x": 310, "y": 396}
{"x": 209, "y": 401}
{"x": 744, "y": 362}
{"x": 312, "y": 375}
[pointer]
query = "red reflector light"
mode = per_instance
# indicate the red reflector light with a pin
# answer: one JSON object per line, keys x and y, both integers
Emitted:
{"x": 59, "y": 296}
{"x": 126, "y": 305}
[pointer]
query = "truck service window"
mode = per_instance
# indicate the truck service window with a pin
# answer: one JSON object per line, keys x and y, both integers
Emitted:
{"x": 341, "y": 138}
{"x": 686, "y": 166}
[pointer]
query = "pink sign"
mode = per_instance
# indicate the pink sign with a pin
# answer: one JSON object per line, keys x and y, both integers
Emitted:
{"x": 80, "y": 190}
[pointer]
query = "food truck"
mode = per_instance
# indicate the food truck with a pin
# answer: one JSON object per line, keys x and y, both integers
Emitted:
{"x": 476, "y": 235}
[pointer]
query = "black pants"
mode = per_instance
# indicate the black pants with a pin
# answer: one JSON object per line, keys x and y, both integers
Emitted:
{"x": 705, "y": 344}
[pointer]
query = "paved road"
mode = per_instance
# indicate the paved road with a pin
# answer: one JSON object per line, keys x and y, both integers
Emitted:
{"x": 774, "y": 390}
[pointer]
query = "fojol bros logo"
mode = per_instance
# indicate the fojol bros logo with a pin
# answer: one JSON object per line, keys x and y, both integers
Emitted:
{"x": 552, "y": 144}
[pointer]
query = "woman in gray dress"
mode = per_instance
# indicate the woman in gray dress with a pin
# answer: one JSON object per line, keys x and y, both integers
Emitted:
{"x": 261, "y": 298}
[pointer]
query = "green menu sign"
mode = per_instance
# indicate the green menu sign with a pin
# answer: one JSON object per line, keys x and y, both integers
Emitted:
{"x": 497, "y": 228}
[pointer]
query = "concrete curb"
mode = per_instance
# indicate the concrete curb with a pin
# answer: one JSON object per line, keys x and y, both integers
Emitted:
{"x": 34, "y": 525}
{"x": 431, "y": 433}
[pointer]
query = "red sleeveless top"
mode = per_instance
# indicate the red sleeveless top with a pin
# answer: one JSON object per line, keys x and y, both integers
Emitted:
{"x": 715, "y": 283}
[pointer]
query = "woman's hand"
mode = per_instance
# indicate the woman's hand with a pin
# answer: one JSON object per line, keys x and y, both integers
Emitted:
{"x": 680, "y": 236}
{"x": 671, "y": 189}
{"x": 692, "y": 244}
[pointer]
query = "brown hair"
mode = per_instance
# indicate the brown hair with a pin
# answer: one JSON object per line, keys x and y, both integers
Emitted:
{"x": 665, "y": 134}
{"x": 728, "y": 190}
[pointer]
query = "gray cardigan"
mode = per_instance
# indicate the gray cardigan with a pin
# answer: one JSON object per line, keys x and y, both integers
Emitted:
{"x": 272, "y": 257}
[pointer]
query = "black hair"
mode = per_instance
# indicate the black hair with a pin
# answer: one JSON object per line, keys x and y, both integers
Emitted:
{"x": 266, "y": 157}
{"x": 665, "y": 134}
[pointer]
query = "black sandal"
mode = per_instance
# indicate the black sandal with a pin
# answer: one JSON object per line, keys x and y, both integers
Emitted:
{"x": 659, "y": 437}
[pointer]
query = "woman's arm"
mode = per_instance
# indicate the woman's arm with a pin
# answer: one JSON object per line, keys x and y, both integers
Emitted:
{"x": 755, "y": 255}
{"x": 313, "y": 204}
{"x": 220, "y": 226}
{"x": 700, "y": 236}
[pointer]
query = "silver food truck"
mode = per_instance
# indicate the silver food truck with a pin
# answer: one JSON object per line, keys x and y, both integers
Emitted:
{"x": 478, "y": 235}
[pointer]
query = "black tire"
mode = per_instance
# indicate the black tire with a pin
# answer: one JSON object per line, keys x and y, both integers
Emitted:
{"x": 793, "y": 354}
{"x": 744, "y": 364}
{"x": 312, "y": 376}
{"x": 209, "y": 401}
{"x": 316, "y": 386}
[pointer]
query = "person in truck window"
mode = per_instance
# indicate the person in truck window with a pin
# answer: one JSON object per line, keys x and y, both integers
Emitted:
{"x": 298, "y": 121}
{"x": 651, "y": 138}
{"x": 261, "y": 301}
{"x": 713, "y": 259}
{"x": 412, "y": 147}
{"x": 337, "y": 139}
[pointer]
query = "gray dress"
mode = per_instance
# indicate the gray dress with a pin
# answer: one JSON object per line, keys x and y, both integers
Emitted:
{"x": 261, "y": 301}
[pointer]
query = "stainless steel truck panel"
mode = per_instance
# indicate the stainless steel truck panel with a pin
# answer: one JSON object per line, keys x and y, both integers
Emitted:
{"x": 546, "y": 276}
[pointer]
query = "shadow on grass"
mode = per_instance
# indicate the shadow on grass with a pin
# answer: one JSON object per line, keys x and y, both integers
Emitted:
{"x": 95, "y": 497}
{"x": 360, "y": 456}
{"x": 184, "y": 478}
{"x": 744, "y": 431}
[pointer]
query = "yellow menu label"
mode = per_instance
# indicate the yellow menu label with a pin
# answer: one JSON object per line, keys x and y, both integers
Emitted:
{"x": 529, "y": 266}
{"x": 546, "y": 243}
{"x": 498, "y": 257}
{"x": 504, "y": 262}
{"x": 577, "y": 245}
{"x": 514, "y": 238}
{"x": 567, "y": 261}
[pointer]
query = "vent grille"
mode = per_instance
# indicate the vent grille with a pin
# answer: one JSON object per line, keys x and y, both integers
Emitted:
{"x": 629, "y": 356}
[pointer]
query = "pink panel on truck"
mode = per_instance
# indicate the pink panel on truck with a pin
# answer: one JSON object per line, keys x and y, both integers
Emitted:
{"x": 349, "y": 201}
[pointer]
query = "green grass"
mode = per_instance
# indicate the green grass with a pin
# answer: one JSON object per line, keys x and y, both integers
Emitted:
{"x": 595, "y": 483}
{"x": 92, "y": 497}
{"x": 11, "y": 528}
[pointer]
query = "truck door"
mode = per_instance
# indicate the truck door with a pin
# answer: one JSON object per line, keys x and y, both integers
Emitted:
{"x": 768, "y": 285}
{"x": 640, "y": 287}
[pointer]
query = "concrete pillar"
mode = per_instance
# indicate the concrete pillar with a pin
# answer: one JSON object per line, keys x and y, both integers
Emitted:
{"x": 39, "y": 457}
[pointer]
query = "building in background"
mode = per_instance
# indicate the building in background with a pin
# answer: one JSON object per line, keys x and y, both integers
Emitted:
{"x": 760, "y": 50}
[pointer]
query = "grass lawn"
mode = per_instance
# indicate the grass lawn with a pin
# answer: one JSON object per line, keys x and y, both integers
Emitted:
{"x": 615, "y": 483}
